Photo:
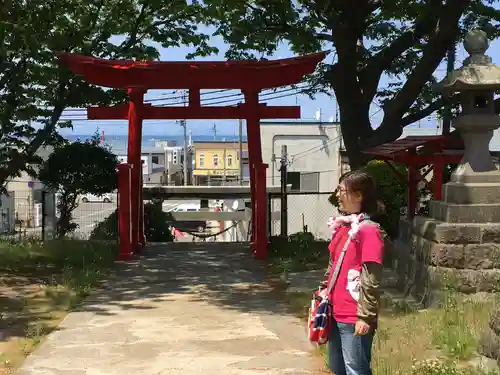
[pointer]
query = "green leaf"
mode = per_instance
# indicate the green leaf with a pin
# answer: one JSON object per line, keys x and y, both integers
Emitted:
{"x": 384, "y": 52}
{"x": 35, "y": 88}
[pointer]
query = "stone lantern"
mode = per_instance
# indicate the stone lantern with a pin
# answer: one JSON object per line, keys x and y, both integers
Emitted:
{"x": 476, "y": 83}
{"x": 458, "y": 245}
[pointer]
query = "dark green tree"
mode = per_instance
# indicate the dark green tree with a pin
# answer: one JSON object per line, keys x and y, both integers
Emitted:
{"x": 382, "y": 51}
{"x": 35, "y": 89}
{"x": 74, "y": 169}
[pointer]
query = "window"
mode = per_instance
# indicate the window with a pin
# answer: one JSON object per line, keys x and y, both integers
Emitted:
{"x": 293, "y": 178}
{"x": 309, "y": 181}
{"x": 216, "y": 161}
{"x": 201, "y": 161}
{"x": 155, "y": 159}
{"x": 303, "y": 181}
{"x": 229, "y": 160}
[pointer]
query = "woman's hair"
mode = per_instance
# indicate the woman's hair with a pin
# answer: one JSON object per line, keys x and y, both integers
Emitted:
{"x": 359, "y": 181}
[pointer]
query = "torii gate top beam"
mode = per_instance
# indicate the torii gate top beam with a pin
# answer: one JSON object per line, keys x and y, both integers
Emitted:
{"x": 199, "y": 75}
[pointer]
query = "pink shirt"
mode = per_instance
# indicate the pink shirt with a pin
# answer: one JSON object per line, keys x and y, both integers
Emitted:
{"x": 367, "y": 246}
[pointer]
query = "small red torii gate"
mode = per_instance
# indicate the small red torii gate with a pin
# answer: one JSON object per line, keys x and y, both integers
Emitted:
{"x": 415, "y": 152}
{"x": 138, "y": 76}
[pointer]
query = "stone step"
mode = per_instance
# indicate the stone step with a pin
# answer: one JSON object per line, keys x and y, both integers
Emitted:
{"x": 471, "y": 193}
{"x": 465, "y": 213}
{"x": 453, "y": 233}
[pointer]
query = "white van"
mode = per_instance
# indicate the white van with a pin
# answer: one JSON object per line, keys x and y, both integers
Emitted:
{"x": 105, "y": 198}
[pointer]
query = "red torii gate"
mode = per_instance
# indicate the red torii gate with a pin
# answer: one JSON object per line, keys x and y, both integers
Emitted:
{"x": 138, "y": 76}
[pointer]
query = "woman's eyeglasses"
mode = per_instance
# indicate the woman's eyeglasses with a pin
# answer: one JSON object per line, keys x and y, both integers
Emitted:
{"x": 341, "y": 189}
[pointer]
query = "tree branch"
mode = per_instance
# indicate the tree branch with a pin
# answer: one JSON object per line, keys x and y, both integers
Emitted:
{"x": 382, "y": 61}
{"x": 324, "y": 36}
{"x": 432, "y": 55}
{"x": 132, "y": 40}
{"x": 427, "y": 111}
{"x": 434, "y": 106}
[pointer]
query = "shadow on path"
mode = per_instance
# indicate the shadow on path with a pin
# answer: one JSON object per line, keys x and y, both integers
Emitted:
{"x": 182, "y": 308}
{"x": 225, "y": 274}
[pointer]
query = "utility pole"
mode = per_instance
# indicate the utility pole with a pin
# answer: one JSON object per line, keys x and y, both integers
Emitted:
{"x": 284, "y": 197}
{"x": 451, "y": 56}
{"x": 240, "y": 125}
{"x": 184, "y": 165}
{"x": 224, "y": 165}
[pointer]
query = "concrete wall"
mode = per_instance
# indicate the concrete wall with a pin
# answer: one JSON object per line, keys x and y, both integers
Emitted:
{"x": 312, "y": 147}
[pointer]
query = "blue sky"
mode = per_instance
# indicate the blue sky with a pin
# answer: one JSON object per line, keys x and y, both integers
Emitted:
{"x": 309, "y": 107}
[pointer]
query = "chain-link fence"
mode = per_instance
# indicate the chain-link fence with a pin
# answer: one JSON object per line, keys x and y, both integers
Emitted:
{"x": 33, "y": 214}
{"x": 92, "y": 212}
{"x": 305, "y": 212}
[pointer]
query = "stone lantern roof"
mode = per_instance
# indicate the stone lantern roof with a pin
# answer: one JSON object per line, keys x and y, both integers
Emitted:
{"x": 478, "y": 71}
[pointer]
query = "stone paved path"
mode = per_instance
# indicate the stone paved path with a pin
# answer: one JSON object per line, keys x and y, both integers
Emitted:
{"x": 181, "y": 309}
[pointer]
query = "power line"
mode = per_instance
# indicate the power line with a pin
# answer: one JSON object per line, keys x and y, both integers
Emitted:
{"x": 314, "y": 149}
{"x": 298, "y": 90}
{"x": 239, "y": 97}
{"x": 183, "y": 96}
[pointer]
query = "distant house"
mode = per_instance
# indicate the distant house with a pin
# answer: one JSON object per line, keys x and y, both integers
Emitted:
{"x": 218, "y": 162}
{"x": 22, "y": 196}
{"x": 162, "y": 165}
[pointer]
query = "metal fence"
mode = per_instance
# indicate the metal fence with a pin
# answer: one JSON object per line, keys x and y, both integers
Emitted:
{"x": 33, "y": 214}
{"x": 305, "y": 212}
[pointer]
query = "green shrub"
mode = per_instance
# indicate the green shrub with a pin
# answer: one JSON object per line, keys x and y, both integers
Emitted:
{"x": 156, "y": 225}
{"x": 298, "y": 252}
{"x": 392, "y": 192}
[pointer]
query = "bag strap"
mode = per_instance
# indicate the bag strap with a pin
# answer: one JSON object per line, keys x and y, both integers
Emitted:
{"x": 336, "y": 271}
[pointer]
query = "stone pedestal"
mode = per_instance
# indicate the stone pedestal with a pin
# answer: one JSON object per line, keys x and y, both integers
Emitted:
{"x": 458, "y": 246}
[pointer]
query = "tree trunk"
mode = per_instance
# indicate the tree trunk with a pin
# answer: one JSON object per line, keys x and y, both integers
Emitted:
{"x": 354, "y": 119}
{"x": 66, "y": 206}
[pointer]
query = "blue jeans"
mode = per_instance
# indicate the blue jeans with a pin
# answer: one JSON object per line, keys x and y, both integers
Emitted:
{"x": 349, "y": 354}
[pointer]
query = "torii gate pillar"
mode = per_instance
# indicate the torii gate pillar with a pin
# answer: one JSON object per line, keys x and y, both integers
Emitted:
{"x": 259, "y": 241}
{"x": 135, "y": 110}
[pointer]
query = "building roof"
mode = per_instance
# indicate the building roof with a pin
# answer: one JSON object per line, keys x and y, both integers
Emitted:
{"x": 206, "y": 145}
{"x": 300, "y": 123}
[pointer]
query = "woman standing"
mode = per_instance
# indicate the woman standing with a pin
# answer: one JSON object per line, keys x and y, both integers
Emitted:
{"x": 355, "y": 294}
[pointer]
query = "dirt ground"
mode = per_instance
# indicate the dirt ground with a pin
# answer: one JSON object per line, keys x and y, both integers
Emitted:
{"x": 30, "y": 308}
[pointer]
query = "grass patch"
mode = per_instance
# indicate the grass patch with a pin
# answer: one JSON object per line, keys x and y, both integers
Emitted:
{"x": 39, "y": 284}
{"x": 298, "y": 252}
{"x": 436, "y": 341}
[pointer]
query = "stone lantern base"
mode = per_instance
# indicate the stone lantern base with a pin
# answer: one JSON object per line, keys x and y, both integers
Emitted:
{"x": 458, "y": 246}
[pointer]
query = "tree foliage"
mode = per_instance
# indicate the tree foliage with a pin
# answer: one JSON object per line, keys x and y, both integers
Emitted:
{"x": 74, "y": 169}
{"x": 35, "y": 89}
{"x": 382, "y": 51}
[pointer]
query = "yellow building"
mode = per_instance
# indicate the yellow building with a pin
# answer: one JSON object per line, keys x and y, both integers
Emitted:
{"x": 217, "y": 162}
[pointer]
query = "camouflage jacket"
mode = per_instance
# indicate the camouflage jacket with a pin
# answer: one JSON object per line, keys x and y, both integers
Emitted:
{"x": 371, "y": 275}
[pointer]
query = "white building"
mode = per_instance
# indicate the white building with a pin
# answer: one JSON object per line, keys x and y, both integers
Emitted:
{"x": 314, "y": 164}
{"x": 162, "y": 165}
{"x": 23, "y": 204}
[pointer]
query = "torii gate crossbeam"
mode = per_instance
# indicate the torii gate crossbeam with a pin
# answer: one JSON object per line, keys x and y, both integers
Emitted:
{"x": 137, "y": 77}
